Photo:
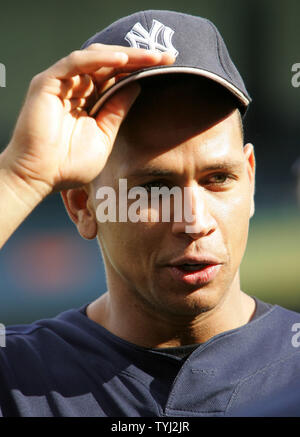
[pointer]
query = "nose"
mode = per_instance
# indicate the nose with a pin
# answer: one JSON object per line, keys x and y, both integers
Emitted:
{"x": 197, "y": 220}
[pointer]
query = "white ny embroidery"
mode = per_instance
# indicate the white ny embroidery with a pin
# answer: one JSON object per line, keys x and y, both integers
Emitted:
{"x": 159, "y": 37}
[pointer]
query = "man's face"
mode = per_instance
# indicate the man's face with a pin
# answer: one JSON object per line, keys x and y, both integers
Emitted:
{"x": 177, "y": 138}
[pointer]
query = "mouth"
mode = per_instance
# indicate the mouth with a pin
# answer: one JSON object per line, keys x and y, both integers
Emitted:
{"x": 195, "y": 275}
{"x": 194, "y": 271}
{"x": 192, "y": 267}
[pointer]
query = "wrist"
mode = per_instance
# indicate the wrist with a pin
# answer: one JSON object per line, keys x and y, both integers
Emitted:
{"x": 29, "y": 190}
{"x": 17, "y": 200}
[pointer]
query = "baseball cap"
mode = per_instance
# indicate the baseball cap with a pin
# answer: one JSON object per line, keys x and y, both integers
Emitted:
{"x": 195, "y": 42}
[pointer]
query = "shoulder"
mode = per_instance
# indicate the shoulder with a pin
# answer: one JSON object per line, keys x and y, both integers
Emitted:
{"x": 275, "y": 328}
{"x": 270, "y": 349}
{"x": 273, "y": 312}
{"x": 43, "y": 338}
{"x": 285, "y": 316}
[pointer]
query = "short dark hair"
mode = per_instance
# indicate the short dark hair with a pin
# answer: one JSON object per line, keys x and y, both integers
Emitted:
{"x": 241, "y": 126}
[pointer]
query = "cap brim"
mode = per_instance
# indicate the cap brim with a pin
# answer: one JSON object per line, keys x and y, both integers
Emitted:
{"x": 167, "y": 70}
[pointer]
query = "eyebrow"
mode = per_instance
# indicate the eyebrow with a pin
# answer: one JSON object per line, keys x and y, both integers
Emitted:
{"x": 149, "y": 171}
{"x": 157, "y": 172}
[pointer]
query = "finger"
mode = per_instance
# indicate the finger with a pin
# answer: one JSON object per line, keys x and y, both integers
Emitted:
{"x": 103, "y": 86}
{"x": 85, "y": 62}
{"x": 72, "y": 104}
{"x": 114, "y": 111}
{"x": 86, "y": 102}
{"x": 137, "y": 56}
{"x": 77, "y": 86}
{"x": 105, "y": 73}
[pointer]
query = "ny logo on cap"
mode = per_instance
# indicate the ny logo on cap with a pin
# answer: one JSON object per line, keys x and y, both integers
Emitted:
{"x": 159, "y": 37}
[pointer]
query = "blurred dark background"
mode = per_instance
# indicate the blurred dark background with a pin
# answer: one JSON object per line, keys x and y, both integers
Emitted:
{"x": 46, "y": 267}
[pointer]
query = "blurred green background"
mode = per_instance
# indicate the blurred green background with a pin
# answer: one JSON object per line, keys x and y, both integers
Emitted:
{"x": 45, "y": 267}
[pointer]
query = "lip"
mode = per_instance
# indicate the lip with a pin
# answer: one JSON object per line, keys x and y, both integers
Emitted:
{"x": 199, "y": 277}
{"x": 203, "y": 259}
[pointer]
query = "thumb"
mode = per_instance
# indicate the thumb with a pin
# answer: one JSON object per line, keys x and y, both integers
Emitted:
{"x": 114, "y": 111}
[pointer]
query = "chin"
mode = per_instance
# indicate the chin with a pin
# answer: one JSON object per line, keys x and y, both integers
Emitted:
{"x": 189, "y": 303}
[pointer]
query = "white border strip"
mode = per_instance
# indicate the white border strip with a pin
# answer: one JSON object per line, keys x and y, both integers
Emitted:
{"x": 165, "y": 70}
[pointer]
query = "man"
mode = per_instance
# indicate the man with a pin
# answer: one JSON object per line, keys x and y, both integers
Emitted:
{"x": 174, "y": 335}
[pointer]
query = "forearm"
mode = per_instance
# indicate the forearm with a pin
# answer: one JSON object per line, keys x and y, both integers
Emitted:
{"x": 17, "y": 200}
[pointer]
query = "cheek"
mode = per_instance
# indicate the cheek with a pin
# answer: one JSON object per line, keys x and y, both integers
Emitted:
{"x": 130, "y": 247}
{"x": 138, "y": 233}
{"x": 234, "y": 224}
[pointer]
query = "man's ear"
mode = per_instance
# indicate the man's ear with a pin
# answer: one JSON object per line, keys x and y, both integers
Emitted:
{"x": 78, "y": 204}
{"x": 250, "y": 162}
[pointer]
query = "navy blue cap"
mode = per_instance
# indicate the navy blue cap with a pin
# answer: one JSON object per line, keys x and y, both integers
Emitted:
{"x": 197, "y": 44}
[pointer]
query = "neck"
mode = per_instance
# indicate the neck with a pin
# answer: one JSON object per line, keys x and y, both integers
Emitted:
{"x": 132, "y": 320}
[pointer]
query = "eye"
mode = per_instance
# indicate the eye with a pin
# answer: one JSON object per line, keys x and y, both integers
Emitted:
{"x": 218, "y": 180}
